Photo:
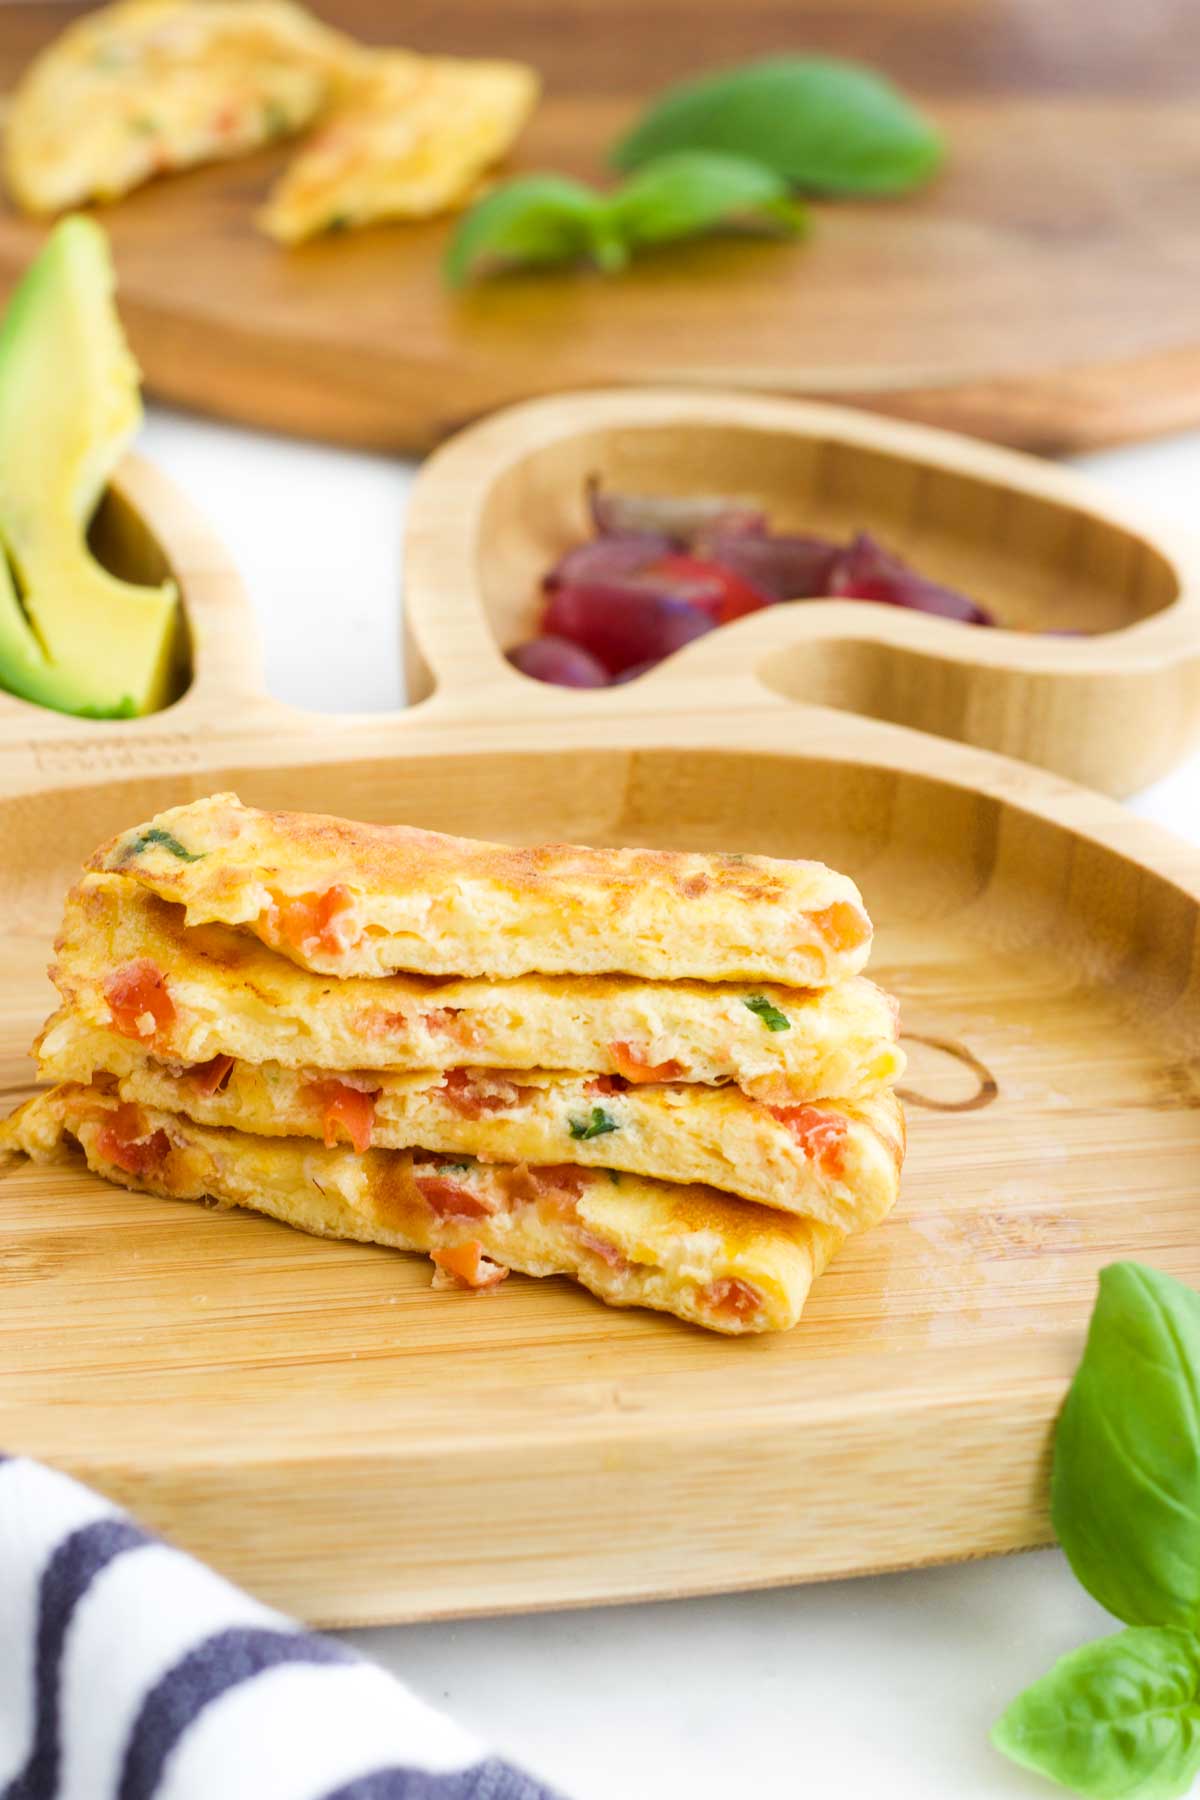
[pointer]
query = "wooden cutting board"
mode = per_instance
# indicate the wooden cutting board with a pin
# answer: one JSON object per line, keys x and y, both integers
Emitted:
{"x": 315, "y": 1421}
{"x": 1042, "y": 293}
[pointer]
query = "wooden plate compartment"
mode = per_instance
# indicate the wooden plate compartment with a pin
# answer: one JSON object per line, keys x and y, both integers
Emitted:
{"x": 1042, "y": 549}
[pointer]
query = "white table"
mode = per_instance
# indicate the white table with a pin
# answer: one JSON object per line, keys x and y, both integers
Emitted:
{"x": 880, "y": 1687}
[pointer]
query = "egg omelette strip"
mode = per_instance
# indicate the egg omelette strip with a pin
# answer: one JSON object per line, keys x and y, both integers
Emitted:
{"x": 126, "y": 959}
{"x": 716, "y": 1261}
{"x": 411, "y": 136}
{"x": 134, "y": 90}
{"x": 832, "y": 1161}
{"x": 350, "y": 899}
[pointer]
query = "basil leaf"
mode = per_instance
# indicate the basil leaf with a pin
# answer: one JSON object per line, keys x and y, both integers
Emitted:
{"x": 534, "y": 219}
{"x": 1125, "y": 1493}
{"x": 541, "y": 219}
{"x": 679, "y": 196}
{"x": 1117, "y": 1720}
{"x": 772, "y": 1018}
{"x": 827, "y": 126}
{"x": 596, "y": 1126}
{"x": 166, "y": 840}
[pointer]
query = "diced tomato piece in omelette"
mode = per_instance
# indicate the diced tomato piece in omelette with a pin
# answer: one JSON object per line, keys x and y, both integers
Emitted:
{"x": 821, "y": 1135}
{"x": 309, "y": 921}
{"x": 473, "y": 1092}
{"x": 124, "y": 1140}
{"x": 732, "y": 1298}
{"x": 632, "y": 1064}
{"x": 210, "y": 1077}
{"x": 344, "y": 1108}
{"x": 139, "y": 1003}
{"x": 467, "y": 1263}
{"x": 843, "y": 925}
{"x": 605, "y": 1249}
{"x": 449, "y": 1199}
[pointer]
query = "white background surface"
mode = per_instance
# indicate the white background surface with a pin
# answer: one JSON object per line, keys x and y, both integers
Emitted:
{"x": 883, "y": 1687}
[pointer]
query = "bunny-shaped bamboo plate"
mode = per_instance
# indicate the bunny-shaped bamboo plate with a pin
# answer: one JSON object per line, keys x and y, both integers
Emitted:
{"x": 312, "y": 1418}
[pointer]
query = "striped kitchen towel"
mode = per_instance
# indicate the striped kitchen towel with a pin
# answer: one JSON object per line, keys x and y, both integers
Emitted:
{"x": 128, "y": 1671}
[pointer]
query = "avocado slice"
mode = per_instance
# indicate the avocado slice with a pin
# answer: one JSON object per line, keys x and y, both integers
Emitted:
{"x": 72, "y": 636}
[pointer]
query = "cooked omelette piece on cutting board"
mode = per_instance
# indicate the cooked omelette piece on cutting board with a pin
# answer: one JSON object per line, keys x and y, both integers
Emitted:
{"x": 410, "y": 137}
{"x": 137, "y": 89}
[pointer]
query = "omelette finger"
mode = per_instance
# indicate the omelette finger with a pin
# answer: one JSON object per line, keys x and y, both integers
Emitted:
{"x": 352, "y": 899}
{"x": 718, "y": 1262}
{"x": 127, "y": 960}
{"x": 410, "y": 138}
{"x": 828, "y": 1161}
{"x": 134, "y": 90}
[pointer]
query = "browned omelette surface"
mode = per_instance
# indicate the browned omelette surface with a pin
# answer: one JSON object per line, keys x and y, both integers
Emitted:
{"x": 353, "y": 899}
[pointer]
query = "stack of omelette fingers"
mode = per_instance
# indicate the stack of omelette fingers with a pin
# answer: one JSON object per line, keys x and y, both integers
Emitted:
{"x": 659, "y": 1073}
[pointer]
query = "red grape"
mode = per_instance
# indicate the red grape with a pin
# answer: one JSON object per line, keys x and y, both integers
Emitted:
{"x": 608, "y": 558}
{"x": 717, "y": 591}
{"x": 782, "y": 568}
{"x": 665, "y": 569}
{"x": 624, "y": 622}
{"x": 866, "y": 571}
{"x": 554, "y": 659}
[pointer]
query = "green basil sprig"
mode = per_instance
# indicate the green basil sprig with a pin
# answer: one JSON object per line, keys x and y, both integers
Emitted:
{"x": 827, "y": 126}
{"x": 692, "y": 191}
{"x": 1126, "y": 1487}
{"x": 1117, "y": 1719}
{"x": 1120, "y": 1719}
{"x": 544, "y": 219}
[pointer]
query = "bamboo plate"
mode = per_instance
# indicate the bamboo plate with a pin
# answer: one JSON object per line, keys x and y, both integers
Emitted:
{"x": 1041, "y": 547}
{"x": 315, "y": 1421}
